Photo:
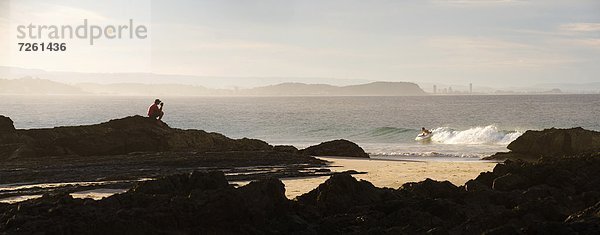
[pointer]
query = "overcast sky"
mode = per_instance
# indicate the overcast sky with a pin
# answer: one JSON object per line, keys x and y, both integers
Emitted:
{"x": 488, "y": 42}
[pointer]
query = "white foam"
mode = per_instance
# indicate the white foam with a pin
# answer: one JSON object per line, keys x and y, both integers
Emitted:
{"x": 476, "y": 135}
{"x": 424, "y": 154}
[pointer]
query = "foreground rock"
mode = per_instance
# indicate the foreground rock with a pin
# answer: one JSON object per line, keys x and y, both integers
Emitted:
{"x": 552, "y": 197}
{"x": 343, "y": 148}
{"x": 559, "y": 194}
{"x": 132, "y": 148}
{"x": 6, "y": 125}
{"x": 556, "y": 195}
{"x": 551, "y": 143}
{"x": 197, "y": 203}
{"x": 119, "y": 136}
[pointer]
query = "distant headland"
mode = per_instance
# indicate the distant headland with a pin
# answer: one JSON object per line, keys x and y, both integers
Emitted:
{"x": 36, "y": 86}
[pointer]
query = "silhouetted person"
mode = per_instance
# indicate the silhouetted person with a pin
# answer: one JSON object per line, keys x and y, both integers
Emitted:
{"x": 155, "y": 110}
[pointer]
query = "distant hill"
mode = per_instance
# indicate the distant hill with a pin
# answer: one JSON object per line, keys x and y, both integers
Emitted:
{"x": 290, "y": 89}
{"x": 383, "y": 89}
{"x": 369, "y": 89}
{"x": 151, "y": 89}
{"x": 592, "y": 87}
{"x": 42, "y": 86}
{"x": 146, "y": 78}
{"x": 283, "y": 89}
{"x": 264, "y": 85}
{"x": 35, "y": 86}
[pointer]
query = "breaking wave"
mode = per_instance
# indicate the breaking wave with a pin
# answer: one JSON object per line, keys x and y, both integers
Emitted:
{"x": 476, "y": 135}
{"x": 388, "y": 131}
{"x": 417, "y": 155}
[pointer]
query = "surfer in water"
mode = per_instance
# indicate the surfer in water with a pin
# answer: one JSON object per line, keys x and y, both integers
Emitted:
{"x": 425, "y": 131}
{"x": 425, "y": 135}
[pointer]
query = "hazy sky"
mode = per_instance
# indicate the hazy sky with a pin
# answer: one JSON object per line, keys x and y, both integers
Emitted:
{"x": 487, "y": 42}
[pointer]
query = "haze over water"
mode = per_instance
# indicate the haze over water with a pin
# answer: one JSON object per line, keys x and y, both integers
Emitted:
{"x": 465, "y": 127}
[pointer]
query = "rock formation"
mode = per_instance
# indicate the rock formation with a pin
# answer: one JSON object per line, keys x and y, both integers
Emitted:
{"x": 551, "y": 143}
{"x": 560, "y": 196}
{"x": 343, "y": 148}
{"x": 140, "y": 134}
{"x": 119, "y": 136}
{"x": 557, "y": 194}
{"x": 196, "y": 203}
{"x": 6, "y": 125}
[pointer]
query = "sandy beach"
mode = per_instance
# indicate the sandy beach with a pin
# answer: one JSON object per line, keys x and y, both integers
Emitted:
{"x": 392, "y": 174}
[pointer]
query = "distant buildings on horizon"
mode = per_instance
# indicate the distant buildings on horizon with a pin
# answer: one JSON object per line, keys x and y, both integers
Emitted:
{"x": 449, "y": 91}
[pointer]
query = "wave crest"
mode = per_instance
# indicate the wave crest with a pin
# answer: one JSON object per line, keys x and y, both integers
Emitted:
{"x": 387, "y": 131}
{"x": 476, "y": 135}
{"x": 417, "y": 155}
{"x": 384, "y": 134}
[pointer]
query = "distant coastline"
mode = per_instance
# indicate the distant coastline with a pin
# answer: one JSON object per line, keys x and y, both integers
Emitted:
{"x": 36, "y": 86}
{"x": 24, "y": 81}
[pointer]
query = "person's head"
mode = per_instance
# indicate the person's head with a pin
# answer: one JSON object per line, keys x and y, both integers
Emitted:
{"x": 157, "y": 101}
{"x": 422, "y": 128}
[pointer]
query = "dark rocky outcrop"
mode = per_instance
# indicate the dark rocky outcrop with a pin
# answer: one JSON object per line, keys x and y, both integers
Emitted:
{"x": 285, "y": 148}
{"x": 197, "y": 203}
{"x": 559, "y": 196}
{"x": 120, "y": 136}
{"x": 341, "y": 192}
{"x": 588, "y": 219}
{"x": 343, "y": 148}
{"x": 551, "y": 143}
{"x": 6, "y": 125}
{"x": 431, "y": 188}
{"x": 125, "y": 150}
{"x": 183, "y": 184}
{"x": 8, "y": 145}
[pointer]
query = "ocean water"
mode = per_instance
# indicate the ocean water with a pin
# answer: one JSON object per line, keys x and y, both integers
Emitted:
{"x": 465, "y": 128}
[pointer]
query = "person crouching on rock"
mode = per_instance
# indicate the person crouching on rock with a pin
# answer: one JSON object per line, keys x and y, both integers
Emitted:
{"x": 155, "y": 111}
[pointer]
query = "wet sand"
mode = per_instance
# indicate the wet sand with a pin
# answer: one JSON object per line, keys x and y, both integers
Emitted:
{"x": 391, "y": 173}
{"x": 380, "y": 172}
